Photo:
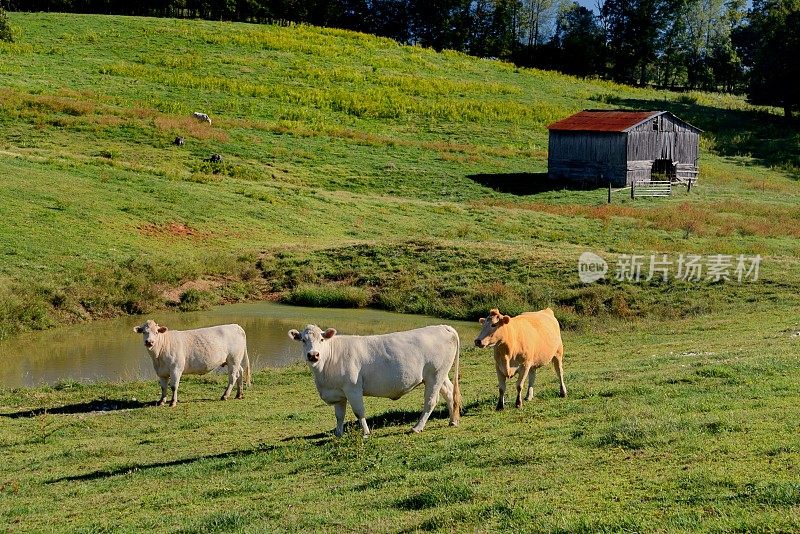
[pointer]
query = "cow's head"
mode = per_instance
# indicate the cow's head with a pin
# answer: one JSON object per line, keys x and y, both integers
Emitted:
{"x": 151, "y": 331}
{"x": 315, "y": 342}
{"x": 492, "y": 327}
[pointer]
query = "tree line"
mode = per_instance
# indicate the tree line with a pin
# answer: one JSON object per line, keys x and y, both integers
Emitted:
{"x": 717, "y": 45}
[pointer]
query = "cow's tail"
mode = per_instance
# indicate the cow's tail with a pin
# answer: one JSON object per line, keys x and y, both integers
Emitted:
{"x": 248, "y": 378}
{"x": 456, "y": 386}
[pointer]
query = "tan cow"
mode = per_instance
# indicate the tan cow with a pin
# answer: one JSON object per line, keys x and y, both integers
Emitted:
{"x": 522, "y": 344}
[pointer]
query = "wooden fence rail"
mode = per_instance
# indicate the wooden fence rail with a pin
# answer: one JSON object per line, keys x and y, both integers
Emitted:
{"x": 651, "y": 189}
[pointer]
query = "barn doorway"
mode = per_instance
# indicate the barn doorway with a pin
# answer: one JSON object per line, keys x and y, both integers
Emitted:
{"x": 663, "y": 170}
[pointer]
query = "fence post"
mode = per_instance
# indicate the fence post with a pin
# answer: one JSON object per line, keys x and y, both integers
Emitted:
{"x": 689, "y": 187}
{"x": 633, "y": 186}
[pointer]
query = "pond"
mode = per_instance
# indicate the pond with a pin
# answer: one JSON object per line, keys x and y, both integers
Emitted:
{"x": 111, "y": 351}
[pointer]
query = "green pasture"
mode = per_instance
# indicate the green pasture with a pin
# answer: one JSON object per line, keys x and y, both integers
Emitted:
{"x": 673, "y": 426}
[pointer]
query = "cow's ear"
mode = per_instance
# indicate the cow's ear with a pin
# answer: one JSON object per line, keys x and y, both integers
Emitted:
{"x": 482, "y": 320}
{"x": 294, "y": 334}
{"x": 137, "y": 329}
{"x": 506, "y": 319}
{"x": 329, "y": 333}
{"x": 162, "y": 329}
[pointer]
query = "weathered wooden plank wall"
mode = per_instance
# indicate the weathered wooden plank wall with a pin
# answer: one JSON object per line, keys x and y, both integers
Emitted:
{"x": 586, "y": 156}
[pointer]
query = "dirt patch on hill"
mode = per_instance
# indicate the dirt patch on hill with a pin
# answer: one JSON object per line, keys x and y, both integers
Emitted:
{"x": 171, "y": 229}
{"x": 174, "y": 294}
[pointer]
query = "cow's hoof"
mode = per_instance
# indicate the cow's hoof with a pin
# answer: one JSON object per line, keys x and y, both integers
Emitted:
{"x": 173, "y": 404}
{"x": 518, "y": 404}
{"x": 160, "y": 403}
{"x": 562, "y": 394}
{"x": 453, "y": 423}
{"x": 224, "y": 397}
{"x": 499, "y": 407}
{"x": 365, "y": 436}
{"x": 239, "y": 396}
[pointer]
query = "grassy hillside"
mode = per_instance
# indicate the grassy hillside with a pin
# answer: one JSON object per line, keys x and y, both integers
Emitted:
{"x": 356, "y": 171}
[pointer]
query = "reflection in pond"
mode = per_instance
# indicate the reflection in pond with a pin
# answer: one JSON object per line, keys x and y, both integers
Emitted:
{"x": 109, "y": 350}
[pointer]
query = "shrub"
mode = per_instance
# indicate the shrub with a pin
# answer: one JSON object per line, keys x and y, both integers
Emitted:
{"x": 6, "y": 31}
{"x": 328, "y": 296}
{"x": 688, "y": 98}
{"x": 194, "y": 299}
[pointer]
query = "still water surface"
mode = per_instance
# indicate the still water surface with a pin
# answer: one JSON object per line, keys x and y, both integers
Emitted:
{"x": 111, "y": 351}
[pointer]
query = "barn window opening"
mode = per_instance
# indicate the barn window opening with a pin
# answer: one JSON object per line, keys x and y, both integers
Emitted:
{"x": 663, "y": 169}
{"x": 655, "y": 124}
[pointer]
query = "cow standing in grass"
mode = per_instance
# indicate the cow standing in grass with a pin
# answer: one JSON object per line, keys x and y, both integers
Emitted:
{"x": 196, "y": 352}
{"x": 522, "y": 344}
{"x": 201, "y": 117}
{"x": 346, "y": 368}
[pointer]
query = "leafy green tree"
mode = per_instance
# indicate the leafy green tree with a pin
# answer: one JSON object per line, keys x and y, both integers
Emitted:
{"x": 6, "y": 31}
{"x": 440, "y": 24}
{"x": 493, "y": 28}
{"x": 390, "y": 18}
{"x": 535, "y": 16}
{"x": 769, "y": 45}
{"x": 673, "y": 51}
{"x": 632, "y": 34}
{"x": 580, "y": 41}
{"x": 726, "y": 65}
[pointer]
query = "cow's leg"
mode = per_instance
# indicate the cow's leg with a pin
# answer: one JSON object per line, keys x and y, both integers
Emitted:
{"x": 234, "y": 373}
{"x": 558, "y": 363}
{"x": 447, "y": 392}
{"x": 531, "y": 381}
{"x": 431, "y": 399}
{"x": 340, "y": 408}
{"x": 164, "y": 384}
{"x": 240, "y": 384}
{"x": 174, "y": 382}
{"x": 523, "y": 375}
{"x": 501, "y": 386}
{"x": 356, "y": 400}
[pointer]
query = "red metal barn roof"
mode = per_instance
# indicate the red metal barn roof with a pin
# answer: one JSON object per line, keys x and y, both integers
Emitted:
{"x": 603, "y": 121}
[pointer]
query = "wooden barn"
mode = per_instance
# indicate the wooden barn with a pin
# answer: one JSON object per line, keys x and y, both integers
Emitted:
{"x": 595, "y": 146}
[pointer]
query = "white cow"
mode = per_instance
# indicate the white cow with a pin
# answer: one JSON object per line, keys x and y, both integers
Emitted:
{"x": 196, "y": 352}
{"x": 390, "y": 365}
{"x": 201, "y": 117}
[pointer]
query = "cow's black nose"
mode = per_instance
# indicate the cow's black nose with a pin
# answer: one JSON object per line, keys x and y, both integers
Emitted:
{"x": 148, "y": 344}
{"x": 312, "y": 356}
{"x": 478, "y": 343}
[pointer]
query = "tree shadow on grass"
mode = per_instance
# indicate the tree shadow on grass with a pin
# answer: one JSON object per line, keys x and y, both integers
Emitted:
{"x": 529, "y": 183}
{"x": 132, "y": 468}
{"x": 98, "y": 405}
{"x": 767, "y": 137}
